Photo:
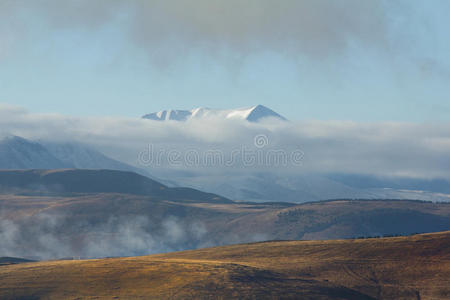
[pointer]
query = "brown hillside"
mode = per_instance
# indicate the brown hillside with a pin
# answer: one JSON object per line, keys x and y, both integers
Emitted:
{"x": 416, "y": 267}
{"x": 77, "y": 224}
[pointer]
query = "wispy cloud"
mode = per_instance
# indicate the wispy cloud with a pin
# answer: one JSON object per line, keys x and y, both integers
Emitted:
{"x": 53, "y": 235}
{"x": 173, "y": 28}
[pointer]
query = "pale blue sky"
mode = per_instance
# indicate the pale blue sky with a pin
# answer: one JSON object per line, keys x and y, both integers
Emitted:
{"x": 96, "y": 61}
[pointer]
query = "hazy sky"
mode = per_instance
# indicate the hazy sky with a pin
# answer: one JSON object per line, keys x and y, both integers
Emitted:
{"x": 317, "y": 59}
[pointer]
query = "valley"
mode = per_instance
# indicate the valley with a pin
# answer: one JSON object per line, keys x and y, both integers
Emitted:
{"x": 100, "y": 213}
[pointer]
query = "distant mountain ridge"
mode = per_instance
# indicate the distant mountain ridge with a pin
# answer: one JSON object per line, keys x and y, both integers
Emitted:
{"x": 63, "y": 181}
{"x": 304, "y": 187}
{"x": 19, "y": 153}
{"x": 251, "y": 114}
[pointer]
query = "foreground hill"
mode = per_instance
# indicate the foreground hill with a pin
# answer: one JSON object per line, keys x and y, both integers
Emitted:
{"x": 416, "y": 267}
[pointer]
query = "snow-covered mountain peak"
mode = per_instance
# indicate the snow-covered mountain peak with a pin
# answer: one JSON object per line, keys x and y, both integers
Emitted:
{"x": 251, "y": 114}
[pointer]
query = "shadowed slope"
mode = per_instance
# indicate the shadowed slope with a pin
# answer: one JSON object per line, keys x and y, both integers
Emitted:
{"x": 84, "y": 181}
{"x": 12, "y": 260}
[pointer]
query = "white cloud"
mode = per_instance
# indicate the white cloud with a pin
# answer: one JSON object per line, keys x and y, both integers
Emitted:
{"x": 387, "y": 148}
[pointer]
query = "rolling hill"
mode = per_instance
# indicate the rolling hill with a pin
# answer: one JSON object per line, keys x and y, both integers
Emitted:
{"x": 83, "y": 181}
{"x": 101, "y": 213}
{"x": 415, "y": 267}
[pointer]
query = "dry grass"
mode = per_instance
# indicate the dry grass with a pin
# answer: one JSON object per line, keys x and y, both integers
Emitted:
{"x": 416, "y": 267}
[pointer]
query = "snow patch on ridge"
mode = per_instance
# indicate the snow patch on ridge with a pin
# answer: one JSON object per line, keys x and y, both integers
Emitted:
{"x": 251, "y": 114}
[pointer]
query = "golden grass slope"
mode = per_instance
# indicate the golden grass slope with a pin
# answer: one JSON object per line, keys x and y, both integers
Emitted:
{"x": 416, "y": 267}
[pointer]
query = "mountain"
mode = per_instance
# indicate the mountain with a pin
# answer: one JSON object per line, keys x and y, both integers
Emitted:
{"x": 303, "y": 187}
{"x": 62, "y": 181}
{"x": 265, "y": 186}
{"x": 436, "y": 185}
{"x": 251, "y": 114}
{"x": 78, "y": 181}
{"x": 415, "y": 267}
{"x": 19, "y": 153}
{"x": 83, "y": 157}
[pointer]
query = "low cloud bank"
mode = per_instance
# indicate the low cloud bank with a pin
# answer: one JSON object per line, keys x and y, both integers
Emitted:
{"x": 386, "y": 148}
{"x": 55, "y": 236}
